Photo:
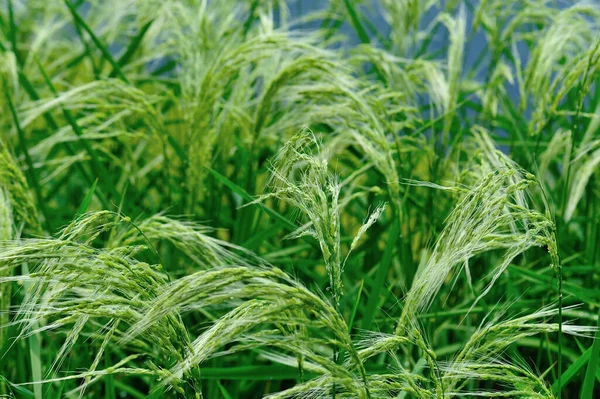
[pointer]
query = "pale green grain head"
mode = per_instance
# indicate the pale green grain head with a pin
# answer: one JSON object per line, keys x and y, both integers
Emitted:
{"x": 6, "y": 217}
{"x": 585, "y": 164}
{"x": 17, "y": 190}
{"x": 301, "y": 177}
{"x": 492, "y": 213}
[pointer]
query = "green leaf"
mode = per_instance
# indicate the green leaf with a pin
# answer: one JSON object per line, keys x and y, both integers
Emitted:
{"x": 35, "y": 352}
{"x": 355, "y": 20}
{"x": 224, "y": 392}
{"x": 86, "y": 201}
{"x": 591, "y": 297}
{"x": 103, "y": 49}
{"x": 382, "y": 270}
{"x": 355, "y": 308}
{"x": 242, "y": 193}
{"x": 587, "y": 390}
{"x": 131, "y": 49}
{"x": 571, "y": 372}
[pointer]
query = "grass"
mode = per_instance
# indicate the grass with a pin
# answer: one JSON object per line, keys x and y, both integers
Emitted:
{"x": 209, "y": 199}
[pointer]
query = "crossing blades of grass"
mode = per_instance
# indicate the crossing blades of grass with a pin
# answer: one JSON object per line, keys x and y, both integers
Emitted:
{"x": 131, "y": 49}
{"x": 103, "y": 49}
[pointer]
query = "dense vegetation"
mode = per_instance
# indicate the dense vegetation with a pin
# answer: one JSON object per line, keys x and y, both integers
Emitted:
{"x": 216, "y": 199}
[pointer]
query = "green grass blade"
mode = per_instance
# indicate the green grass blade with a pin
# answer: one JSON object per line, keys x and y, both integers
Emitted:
{"x": 588, "y": 296}
{"x": 34, "y": 351}
{"x": 381, "y": 274}
{"x": 571, "y": 372}
{"x": 363, "y": 36}
{"x": 103, "y": 49}
{"x": 22, "y": 391}
{"x": 131, "y": 49}
{"x": 587, "y": 391}
{"x": 355, "y": 308}
{"x": 356, "y": 23}
{"x": 224, "y": 392}
{"x": 85, "y": 204}
{"x": 290, "y": 226}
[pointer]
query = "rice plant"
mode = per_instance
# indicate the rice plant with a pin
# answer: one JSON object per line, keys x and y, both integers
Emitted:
{"x": 255, "y": 198}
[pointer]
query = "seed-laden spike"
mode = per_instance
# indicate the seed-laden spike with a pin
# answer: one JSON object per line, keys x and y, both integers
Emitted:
{"x": 23, "y": 205}
{"x": 492, "y": 215}
{"x": 300, "y": 177}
